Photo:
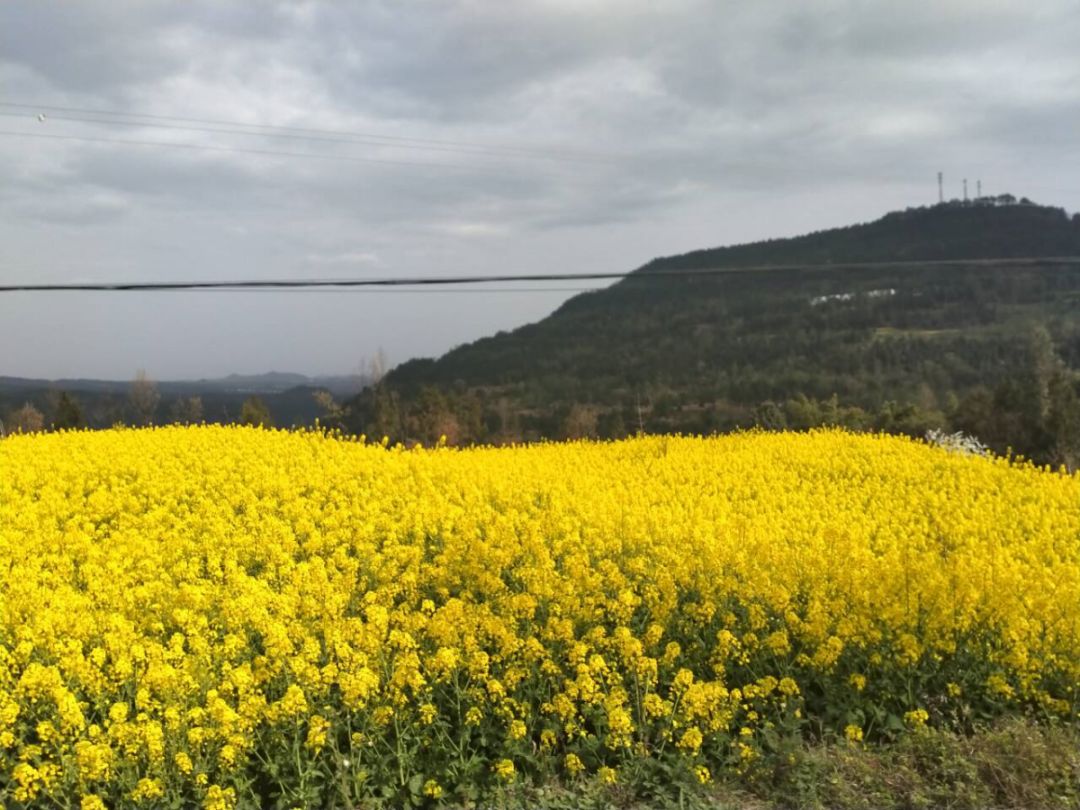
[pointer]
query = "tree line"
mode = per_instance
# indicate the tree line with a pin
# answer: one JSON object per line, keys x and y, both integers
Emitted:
{"x": 142, "y": 406}
{"x": 1034, "y": 414}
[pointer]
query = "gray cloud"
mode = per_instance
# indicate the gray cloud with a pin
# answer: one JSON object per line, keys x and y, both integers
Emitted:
{"x": 655, "y": 128}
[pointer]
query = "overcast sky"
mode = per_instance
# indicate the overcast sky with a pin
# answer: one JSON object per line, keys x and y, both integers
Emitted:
{"x": 559, "y": 136}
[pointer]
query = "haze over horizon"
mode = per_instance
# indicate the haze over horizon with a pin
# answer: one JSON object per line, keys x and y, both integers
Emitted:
{"x": 538, "y": 137}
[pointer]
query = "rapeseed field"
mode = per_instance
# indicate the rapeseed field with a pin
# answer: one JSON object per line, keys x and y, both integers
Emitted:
{"x": 223, "y": 616}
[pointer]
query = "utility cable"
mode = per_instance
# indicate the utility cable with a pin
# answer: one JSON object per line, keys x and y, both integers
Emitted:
{"x": 441, "y": 281}
{"x": 246, "y": 150}
{"x": 271, "y": 130}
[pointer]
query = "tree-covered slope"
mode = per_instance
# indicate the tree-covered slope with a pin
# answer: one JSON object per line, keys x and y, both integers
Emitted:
{"x": 701, "y": 352}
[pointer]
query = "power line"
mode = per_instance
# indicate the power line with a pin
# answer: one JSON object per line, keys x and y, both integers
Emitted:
{"x": 346, "y": 136}
{"x": 475, "y": 152}
{"x": 370, "y": 290}
{"x": 244, "y": 150}
{"x": 441, "y": 281}
{"x": 271, "y": 130}
{"x": 222, "y": 126}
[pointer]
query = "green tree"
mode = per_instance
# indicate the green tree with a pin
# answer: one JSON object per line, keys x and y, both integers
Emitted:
{"x": 770, "y": 416}
{"x": 1063, "y": 422}
{"x": 68, "y": 415}
{"x": 611, "y": 424}
{"x": 432, "y": 418}
{"x": 386, "y": 417}
{"x": 1036, "y": 415}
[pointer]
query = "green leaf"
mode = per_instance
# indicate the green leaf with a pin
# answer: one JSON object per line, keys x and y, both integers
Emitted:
{"x": 416, "y": 784}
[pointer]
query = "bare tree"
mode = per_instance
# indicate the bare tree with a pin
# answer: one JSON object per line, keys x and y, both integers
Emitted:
{"x": 144, "y": 397}
{"x": 325, "y": 400}
{"x": 333, "y": 411}
{"x": 377, "y": 367}
{"x": 255, "y": 412}
{"x": 186, "y": 410}
{"x": 26, "y": 419}
{"x": 580, "y": 422}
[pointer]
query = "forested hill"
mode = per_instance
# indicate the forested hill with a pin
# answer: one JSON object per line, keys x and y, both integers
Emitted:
{"x": 949, "y": 231}
{"x": 709, "y": 352}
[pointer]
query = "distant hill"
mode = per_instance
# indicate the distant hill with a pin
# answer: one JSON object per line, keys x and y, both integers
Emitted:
{"x": 273, "y": 382}
{"x": 290, "y": 398}
{"x": 708, "y": 352}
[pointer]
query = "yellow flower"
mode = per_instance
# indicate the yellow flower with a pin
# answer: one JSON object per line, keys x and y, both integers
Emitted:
{"x": 147, "y": 790}
{"x": 654, "y": 706}
{"x": 504, "y": 769}
{"x": 691, "y": 740}
{"x": 183, "y": 763}
{"x": 547, "y": 739}
{"x": 28, "y": 782}
{"x": 118, "y": 712}
{"x": 683, "y": 678}
{"x": 219, "y": 798}
{"x": 573, "y": 764}
{"x": 428, "y": 713}
{"x": 383, "y": 715}
{"x": 778, "y": 642}
{"x": 916, "y": 718}
{"x": 998, "y": 686}
{"x": 94, "y": 761}
{"x": 853, "y": 733}
{"x": 292, "y": 705}
{"x": 176, "y": 598}
{"x": 318, "y": 726}
{"x": 432, "y": 789}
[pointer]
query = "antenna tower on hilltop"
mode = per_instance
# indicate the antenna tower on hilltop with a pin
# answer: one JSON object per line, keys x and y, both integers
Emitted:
{"x": 978, "y": 189}
{"x": 965, "y": 190}
{"x": 940, "y": 188}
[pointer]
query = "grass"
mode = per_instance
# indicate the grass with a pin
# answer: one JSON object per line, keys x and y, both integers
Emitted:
{"x": 893, "y": 332}
{"x": 1014, "y": 764}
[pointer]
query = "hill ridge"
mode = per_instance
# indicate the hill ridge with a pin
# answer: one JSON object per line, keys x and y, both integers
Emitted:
{"x": 706, "y": 352}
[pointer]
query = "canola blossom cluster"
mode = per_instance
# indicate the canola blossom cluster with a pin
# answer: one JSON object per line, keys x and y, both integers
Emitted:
{"x": 222, "y": 616}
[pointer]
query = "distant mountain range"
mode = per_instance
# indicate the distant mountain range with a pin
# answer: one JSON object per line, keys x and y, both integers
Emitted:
{"x": 850, "y": 316}
{"x": 290, "y": 399}
{"x": 274, "y": 382}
